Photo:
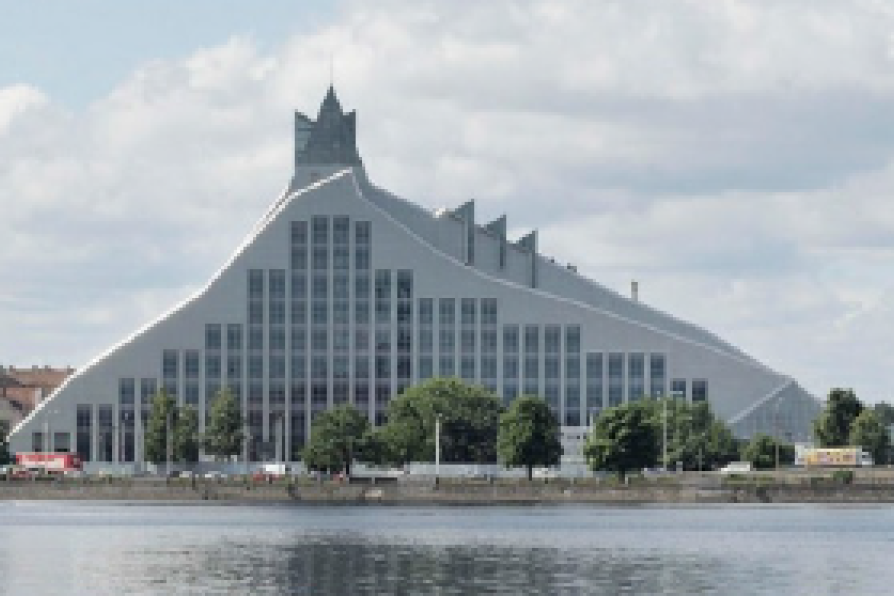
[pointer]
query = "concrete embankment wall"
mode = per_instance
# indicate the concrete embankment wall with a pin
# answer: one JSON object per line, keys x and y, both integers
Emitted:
{"x": 425, "y": 493}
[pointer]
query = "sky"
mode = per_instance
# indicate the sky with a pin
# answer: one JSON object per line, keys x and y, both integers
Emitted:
{"x": 735, "y": 157}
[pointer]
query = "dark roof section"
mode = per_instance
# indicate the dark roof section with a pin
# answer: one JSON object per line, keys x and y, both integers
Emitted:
{"x": 331, "y": 140}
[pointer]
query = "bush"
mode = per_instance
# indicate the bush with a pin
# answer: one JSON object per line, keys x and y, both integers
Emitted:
{"x": 843, "y": 476}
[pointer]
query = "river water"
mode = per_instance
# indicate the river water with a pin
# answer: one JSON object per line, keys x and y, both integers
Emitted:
{"x": 101, "y": 548}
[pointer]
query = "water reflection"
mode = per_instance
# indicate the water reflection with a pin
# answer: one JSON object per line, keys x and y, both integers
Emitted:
{"x": 103, "y": 549}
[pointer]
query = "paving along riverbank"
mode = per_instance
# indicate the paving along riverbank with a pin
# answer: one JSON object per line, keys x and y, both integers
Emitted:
{"x": 813, "y": 489}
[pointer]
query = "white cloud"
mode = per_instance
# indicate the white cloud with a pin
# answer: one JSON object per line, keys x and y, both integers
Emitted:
{"x": 735, "y": 157}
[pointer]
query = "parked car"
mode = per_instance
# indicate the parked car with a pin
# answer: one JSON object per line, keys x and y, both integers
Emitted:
{"x": 215, "y": 475}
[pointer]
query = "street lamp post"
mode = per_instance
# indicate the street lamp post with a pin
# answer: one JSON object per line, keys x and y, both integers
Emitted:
{"x": 437, "y": 446}
{"x": 169, "y": 445}
{"x": 664, "y": 442}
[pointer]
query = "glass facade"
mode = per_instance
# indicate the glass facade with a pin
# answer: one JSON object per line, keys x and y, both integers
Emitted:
{"x": 332, "y": 329}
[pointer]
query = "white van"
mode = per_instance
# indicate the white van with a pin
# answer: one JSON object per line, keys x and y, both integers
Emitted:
{"x": 737, "y": 467}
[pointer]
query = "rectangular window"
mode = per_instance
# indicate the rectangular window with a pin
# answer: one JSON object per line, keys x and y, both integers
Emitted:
{"x": 572, "y": 339}
{"x": 340, "y": 286}
{"x": 532, "y": 339}
{"x": 341, "y": 258}
{"x": 277, "y": 338}
{"x": 361, "y": 258}
{"x": 425, "y": 368}
{"x": 212, "y": 337}
{"x": 256, "y": 313}
{"x": 363, "y": 232}
{"x": 299, "y": 258}
{"x": 656, "y": 375}
{"x": 467, "y": 368}
{"x": 489, "y": 311}
{"x": 361, "y": 339}
{"x": 467, "y": 340}
{"x": 636, "y": 384}
{"x": 320, "y": 313}
{"x": 488, "y": 341}
{"x": 468, "y": 311}
{"x": 446, "y": 366}
{"x": 320, "y": 227}
{"x": 341, "y": 229}
{"x": 510, "y": 368}
{"x": 361, "y": 312}
{"x": 299, "y": 286}
{"x": 255, "y": 284}
{"x": 699, "y": 390}
{"x": 299, "y": 232}
{"x": 234, "y": 366}
{"x": 678, "y": 389}
{"x": 234, "y": 337}
{"x": 126, "y": 392}
{"x": 447, "y": 340}
{"x": 594, "y": 384}
{"x": 320, "y": 258}
{"x": 170, "y": 365}
{"x": 551, "y": 336}
{"x": 425, "y": 311}
{"x": 319, "y": 368}
{"x": 191, "y": 364}
{"x": 319, "y": 339}
{"x": 299, "y": 339}
{"x": 361, "y": 367}
{"x": 277, "y": 313}
{"x": 404, "y": 284}
{"x": 84, "y": 421}
{"x": 299, "y": 367}
{"x": 447, "y": 311}
{"x": 255, "y": 338}
{"x": 255, "y": 367}
{"x": 615, "y": 379}
{"x": 277, "y": 367}
{"x": 425, "y": 340}
{"x": 551, "y": 368}
{"x": 212, "y": 365}
{"x": 510, "y": 339}
{"x": 277, "y": 284}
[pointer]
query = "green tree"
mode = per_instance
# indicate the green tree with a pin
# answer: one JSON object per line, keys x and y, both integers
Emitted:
{"x": 624, "y": 438}
{"x": 885, "y": 413}
{"x": 186, "y": 435}
{"x": 161, "y": 415}
{"x": 4, "y": 443}
{"x": 833, "y": 427}
{"x": 336, "y": 438}
{"x": 761, "y": 452}
{"x": 529, "y": 435}
{"x": 223, "y": 434}
{"x": 868, "y": 432}
{"x": 469, "y": 417}
{"x": 696, "y": 438}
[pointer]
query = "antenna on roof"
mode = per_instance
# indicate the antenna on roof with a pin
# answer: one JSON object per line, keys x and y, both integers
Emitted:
{"x": 331, "y": 71}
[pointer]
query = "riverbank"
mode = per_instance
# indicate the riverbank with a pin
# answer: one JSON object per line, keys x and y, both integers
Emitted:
{"x": 710, "y": 490}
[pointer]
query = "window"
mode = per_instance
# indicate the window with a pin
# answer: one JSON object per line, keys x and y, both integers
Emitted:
{"x": 277, "y": 313}
{"x": 636, "y": 376}
{"x": 320, "y": 227}
{"x": 319, "y": 368}
{"x": 425, "y": 368}
{"x": 404, "y": 284}
{"x": 446, "y": 311}
{"x": 320, "y": 313}
{"x": 340, "y": 313}
{"x": 340, "y": 258}
{"x": 361, "y": 367}
{"x": 572, "y": 339}
{"x": 212, "y": 337}
{"x": 256, "y": 313}
{"x": 126, "y": 391}
{"x": 320, "y": 258}
{"x": 319, "y": 339}
{"x": 615, "y": 379}
{"x": 341, "y": 339}
{"x": 255, "y": 339}
{"x": 320, "y": 287}
{"x": 299, "y": 339}
{"x": 170, "y": 364}
{"x": 191, "y": 364}
{"x": 425, "y": 311}
{"x": 277, "y": 367}
{"x": 277, "y": 338}
{"x": 341, "y": 229}
{"x": 551, "y": 339}
{"x": 532, "y": 339}
{"x": 234, "y": 366}
{"x": 299, "y": 258}
{"x": 255, "y": 367}
{"x": 468, "y": 311}
{"x": 212, "y": 365}
{"x": 467, "y": 340}
{"x": 340, "y": 287}
{"x": 277, "y": 284}
{"x": 489, "y": 341}
{"x": 446, "y": 366}
{"x": 446, "y": 340}
{"x": 255, "y": 284}
{"x": 699, "y": 390}
{"x": 299, "y": 232}
{"x": 363, "y": 234}
{"x": 678, "y": 389}
{"x": 656, "y": 375}
{"x": 234, "y": 337}
{"x": 488, "y": 311}
{"x": 510, "y": 338}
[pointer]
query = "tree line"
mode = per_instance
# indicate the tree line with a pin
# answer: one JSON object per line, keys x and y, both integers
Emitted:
{"x": 476, "y": 428}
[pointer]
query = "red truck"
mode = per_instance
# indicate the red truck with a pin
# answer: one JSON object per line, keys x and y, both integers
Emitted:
{"x": 54, "y": 463}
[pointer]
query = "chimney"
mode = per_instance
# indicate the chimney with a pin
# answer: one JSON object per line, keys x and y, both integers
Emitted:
{"x": 634, "y": 291}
